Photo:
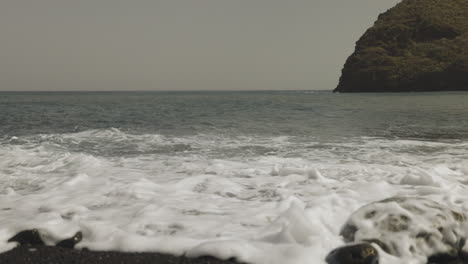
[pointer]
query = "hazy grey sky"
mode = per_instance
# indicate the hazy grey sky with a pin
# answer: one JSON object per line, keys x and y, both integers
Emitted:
{"x": 179, "y": 44}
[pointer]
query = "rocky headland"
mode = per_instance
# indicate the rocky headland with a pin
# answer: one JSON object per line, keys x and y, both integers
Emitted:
{"x": 418, "y": 45}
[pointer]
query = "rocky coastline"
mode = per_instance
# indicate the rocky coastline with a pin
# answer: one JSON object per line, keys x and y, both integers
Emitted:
{"x": 416, "y": 46}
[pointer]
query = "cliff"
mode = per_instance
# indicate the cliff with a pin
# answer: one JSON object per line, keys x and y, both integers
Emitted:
{"x": 418, "y": 45}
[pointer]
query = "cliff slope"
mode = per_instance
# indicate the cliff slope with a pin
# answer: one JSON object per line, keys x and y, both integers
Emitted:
{"x": 418, "y": 45}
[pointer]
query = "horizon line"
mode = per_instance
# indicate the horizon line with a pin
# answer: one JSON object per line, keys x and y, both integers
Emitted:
{"x": 99, "y": 91}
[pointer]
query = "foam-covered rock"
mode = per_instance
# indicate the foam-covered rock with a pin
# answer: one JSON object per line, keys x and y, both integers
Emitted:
{"x": 33, "y": 237}
{"x": 410, "y": 227}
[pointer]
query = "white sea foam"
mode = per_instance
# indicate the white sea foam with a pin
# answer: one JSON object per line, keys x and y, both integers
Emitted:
{"x": 261, "y": 200}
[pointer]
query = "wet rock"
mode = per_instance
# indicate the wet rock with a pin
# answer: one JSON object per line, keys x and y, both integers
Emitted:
{"x": 71, "y": 242}
{"x": 27, "y": 237}
{"x": 363, "y": 253}
{"x": 445, "y": 259}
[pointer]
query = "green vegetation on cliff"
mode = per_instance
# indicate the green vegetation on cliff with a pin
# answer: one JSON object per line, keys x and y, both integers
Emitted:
{"x": 418, "y": 45}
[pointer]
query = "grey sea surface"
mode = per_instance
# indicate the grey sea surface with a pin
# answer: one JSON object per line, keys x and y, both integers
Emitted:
{"x": 225, "y": 123}
{"x": 317, "y": 114}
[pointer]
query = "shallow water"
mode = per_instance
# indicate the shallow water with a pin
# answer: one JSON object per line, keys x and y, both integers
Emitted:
{"x": 267, "y": 177}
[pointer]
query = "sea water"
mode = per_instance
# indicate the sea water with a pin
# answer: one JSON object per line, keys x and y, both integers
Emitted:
{"x": 265, "y": 177}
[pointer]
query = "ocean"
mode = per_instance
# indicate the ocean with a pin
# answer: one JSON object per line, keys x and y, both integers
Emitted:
{"x": 267, "y": 177}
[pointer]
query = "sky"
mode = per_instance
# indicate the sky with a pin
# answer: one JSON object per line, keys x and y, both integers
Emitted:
{"x": 179, "y": 44}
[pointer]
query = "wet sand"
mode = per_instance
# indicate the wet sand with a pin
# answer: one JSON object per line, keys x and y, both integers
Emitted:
{"x": 28, "y": 254}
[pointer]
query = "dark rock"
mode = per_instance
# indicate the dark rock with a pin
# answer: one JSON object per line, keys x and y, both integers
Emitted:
{"x": 71, "y": 242}
{"x": 27, "y": 237}
{"x": 355, "y": 254}
{"x": 456, "y": 257}
{"x": 418, "y": 45}
{"x": 444, "y": 259}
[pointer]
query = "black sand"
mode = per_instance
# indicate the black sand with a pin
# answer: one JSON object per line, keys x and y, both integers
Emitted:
{"x": 28, "y": 254}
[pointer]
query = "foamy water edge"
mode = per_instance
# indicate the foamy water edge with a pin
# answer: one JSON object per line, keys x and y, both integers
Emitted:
{"x": 259, "y": 199}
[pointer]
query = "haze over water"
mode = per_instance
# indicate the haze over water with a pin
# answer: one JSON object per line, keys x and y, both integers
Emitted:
{"x": 267, "y": 177}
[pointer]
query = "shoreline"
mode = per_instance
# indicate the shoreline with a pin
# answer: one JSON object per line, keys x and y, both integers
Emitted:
{"x": 39, "y": 254}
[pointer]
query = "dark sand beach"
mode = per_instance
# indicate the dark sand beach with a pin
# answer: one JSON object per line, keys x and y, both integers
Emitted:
{"x": 57, "y": 255}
